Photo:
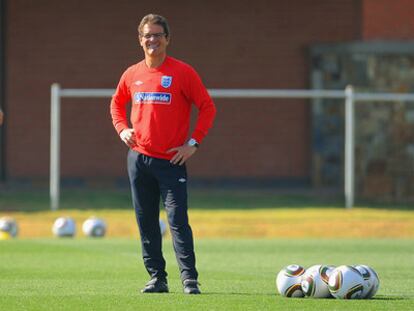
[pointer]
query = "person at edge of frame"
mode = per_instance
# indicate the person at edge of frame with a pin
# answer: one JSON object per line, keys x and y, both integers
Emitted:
{"x": 1, "y": 117}
{"x": 162, "y": 91}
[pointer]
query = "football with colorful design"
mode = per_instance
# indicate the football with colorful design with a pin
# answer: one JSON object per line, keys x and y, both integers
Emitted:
{"x": 371, "y": 281}
{"x": 94, "y": 227}
{"x": 288, "y": 281}
{"x": 315, "y": 281}
{"x": 9, "y": 226}
{"x": 64, "y": 227}
{"x": 346, "y": 282}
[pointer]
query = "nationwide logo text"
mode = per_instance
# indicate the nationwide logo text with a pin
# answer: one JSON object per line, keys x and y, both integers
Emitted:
{"x": 152, "y": 98}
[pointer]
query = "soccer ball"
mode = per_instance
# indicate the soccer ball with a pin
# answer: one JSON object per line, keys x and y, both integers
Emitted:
{"x": 94, "y": 227}
{"x": 288, "y": 281}
{"x": 9, "y": 225}
{"x": 163, "y": 227}
{"x": 64, "y": 227}
{"x": 346, "y": 282}
{"x": 371, "y": 281}
{"x": 315, "y": 281}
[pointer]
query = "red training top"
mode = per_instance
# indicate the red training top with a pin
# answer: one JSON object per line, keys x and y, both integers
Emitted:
{"x": 161, "y": 106}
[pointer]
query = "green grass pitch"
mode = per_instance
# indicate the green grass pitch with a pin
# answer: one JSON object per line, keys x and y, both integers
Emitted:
{"x": 236, "y": 274}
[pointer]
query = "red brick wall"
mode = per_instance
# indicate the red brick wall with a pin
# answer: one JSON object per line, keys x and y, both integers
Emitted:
{"x": 388, "y": 20}
{"x": 232, "y": 44}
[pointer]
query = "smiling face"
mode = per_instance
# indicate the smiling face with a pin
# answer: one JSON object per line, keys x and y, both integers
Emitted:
{"x": 154, "y": 41}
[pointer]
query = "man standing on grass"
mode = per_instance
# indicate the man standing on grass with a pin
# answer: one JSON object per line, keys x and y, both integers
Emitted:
{"x": 162, "y": 90}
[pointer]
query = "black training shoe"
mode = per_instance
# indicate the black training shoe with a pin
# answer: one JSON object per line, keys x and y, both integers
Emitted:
{"x": 156, "y": 285}
{"x": 191, "y": 287}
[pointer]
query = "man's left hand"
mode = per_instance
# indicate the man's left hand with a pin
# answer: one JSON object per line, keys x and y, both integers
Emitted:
{"x": 183, "y": 153}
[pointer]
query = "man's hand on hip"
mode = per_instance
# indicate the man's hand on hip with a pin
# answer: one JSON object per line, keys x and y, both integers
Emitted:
{"x": 183, "y": 153}
{"x": 128, "y": 137}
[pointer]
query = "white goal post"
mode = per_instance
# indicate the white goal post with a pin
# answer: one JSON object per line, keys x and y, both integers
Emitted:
{"x": 348, "y": 94}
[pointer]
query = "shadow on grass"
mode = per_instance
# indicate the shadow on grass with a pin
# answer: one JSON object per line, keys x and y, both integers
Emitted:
{"x": 237, "y": 293}
{"x": 390, "y": 298}
{"x": 206, "y": 199}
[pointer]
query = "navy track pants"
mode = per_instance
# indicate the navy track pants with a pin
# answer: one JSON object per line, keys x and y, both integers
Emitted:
{"x": 152, "y": 179}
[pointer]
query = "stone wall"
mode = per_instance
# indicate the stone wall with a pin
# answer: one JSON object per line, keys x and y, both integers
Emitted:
{"x": 384, "y": 131}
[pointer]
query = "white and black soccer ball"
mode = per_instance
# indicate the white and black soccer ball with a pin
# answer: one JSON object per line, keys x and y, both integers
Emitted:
{"x": 288, "y": 281}
{"x": 315, "y": 281}
{"x": 9, "y": 226}
{"x": 371, "y": 281}
{"x": 64, "y": 227}
{"x": 163, "y": 227}
{"x": 94, "y": 227}
{"x": 346, "y": 282}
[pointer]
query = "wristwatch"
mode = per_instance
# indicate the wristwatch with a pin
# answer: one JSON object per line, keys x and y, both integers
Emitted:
{"x": 193, "y": 143}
